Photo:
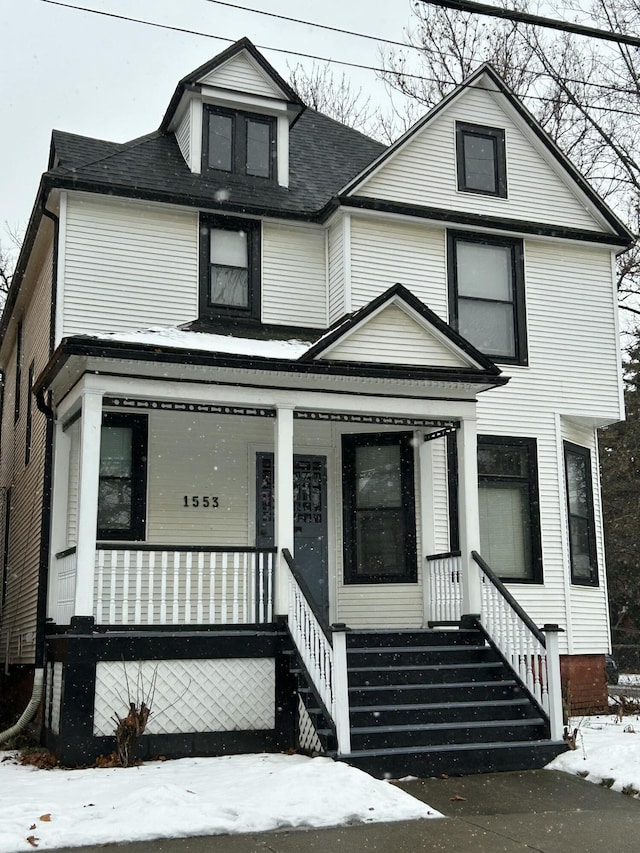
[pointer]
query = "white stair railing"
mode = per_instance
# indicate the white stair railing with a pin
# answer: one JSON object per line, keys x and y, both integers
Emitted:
{"x": 532, "y": 655}
{"x": 323, "y": 651}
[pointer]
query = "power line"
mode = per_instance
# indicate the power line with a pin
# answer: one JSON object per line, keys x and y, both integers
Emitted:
{"x": 537, "y": 20}
{"x": 314, "y": 57}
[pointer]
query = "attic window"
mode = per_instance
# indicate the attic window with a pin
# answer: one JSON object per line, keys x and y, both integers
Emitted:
{"x": 237, "y": 142}
{"x": 481, "y": 159}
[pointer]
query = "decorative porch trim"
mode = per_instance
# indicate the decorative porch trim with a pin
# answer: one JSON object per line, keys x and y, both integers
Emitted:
{"x": 194, "y": 408}
{"x": 375, "y": 420}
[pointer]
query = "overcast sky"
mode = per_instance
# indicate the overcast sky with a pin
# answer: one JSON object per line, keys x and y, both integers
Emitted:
{"x": 111, "y": 79}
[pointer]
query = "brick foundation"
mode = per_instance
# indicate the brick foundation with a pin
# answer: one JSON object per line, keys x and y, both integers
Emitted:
{"x": 584, "y": 684}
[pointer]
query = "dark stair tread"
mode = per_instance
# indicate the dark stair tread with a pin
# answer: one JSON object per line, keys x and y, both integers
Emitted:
{"x": 453, "y": 747}
{"x": 465, "y": 724}
{"x": 507, "y": 682}
{"x": 399, "y": 650}
{"x": 432, "y": 706}
{"x": 413, "y": 667}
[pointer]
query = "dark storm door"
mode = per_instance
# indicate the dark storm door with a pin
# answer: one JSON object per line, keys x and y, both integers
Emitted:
{"x": 309, "y": 519}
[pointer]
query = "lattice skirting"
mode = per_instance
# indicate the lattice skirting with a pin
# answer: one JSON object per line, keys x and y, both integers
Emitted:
{"x": 307, "y": 736}
{"x": 53, "y": 696}
{"x": 222, "y": 695}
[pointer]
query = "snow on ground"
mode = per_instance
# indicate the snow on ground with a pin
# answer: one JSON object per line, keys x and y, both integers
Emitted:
{"x": 190, "y": 796}
{"x": 629, "y": 679}
{"x": 608, "y": 752}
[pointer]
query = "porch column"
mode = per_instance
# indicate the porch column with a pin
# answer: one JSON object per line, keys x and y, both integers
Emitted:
{"x": 467, "y": 442}
{"x": 60, "y": 494}
{"x": 88, "y": 479}
{"x": 283, "y": 503}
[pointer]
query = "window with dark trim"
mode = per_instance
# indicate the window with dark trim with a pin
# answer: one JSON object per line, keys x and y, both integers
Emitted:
{"x": 379, "y": 508}
{"x": 5, "y": 547}
{"x": 16, "y": 411}
{"x": 509, "y": 506}
{"x": 481, "y": 159}
{"x": 229, "y": 268}
{"x": 122, "y": 491}
{"x": 486, "y": 294}
{"x": 238, "y": 142}
{"x": 29, "y": 423}
{"x": 582, "y": 526}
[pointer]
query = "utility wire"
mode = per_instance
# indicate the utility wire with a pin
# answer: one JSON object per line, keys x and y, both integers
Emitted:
{"x": 536, "y": 20}
{"x": 361, "y": 66}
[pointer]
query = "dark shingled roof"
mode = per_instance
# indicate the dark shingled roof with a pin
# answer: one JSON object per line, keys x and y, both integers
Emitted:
{"x": 324, "y": 155}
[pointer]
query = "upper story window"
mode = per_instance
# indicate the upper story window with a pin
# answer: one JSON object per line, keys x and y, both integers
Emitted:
{"x": 481, "y": 159}
{"x": 242, "y": 143}
{"x": 486, "y": 294}
{"x": 582, "y": 525}
{"x": 229, "y": 268}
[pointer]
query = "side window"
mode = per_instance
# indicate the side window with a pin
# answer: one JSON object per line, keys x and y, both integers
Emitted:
{"x": 242, "y": 143}
{"x": 122, "y": 491}
{"x": 582, "y": 528}
{"x": 486, "y": 294}
{"x": 229, "y": 268}
{"x": 16, "y": 411}
{"x": 5, "y": 546}
{"x": 29, "y": 424}
{"x": 509, "y": 507}
{"x": 481, "y": 159}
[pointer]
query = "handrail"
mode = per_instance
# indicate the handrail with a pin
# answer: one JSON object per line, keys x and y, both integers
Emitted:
{"x": 66, "y": 553}
{"x": 430, "y": 558}
{"x": 125, "y": 545}
{"x": 504, "y": 592}
{"x": 304, "y": 586}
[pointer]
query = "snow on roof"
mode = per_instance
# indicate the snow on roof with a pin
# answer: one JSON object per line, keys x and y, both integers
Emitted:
{"x": 164, "y": 336}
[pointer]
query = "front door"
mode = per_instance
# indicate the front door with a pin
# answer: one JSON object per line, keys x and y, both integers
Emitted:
{"x": 309, "y": 518}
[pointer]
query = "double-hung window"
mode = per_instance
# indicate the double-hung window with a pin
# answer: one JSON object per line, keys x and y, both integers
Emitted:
{"x": 238, "y": 142}
{"x": 379, "y": 508}
{"x": 229, "y": 268}
{"x": 509, "y": 507}
{"x": 122, "y": 490}
{"x": 486, "y": 294}
{"x": 481, "y": 159}
{"x": 582, "y": 533}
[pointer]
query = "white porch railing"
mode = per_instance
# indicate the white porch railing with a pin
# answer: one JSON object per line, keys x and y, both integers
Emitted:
{"x": 149, "y": 585}
{"x": 531, "y": 654}
{"x": 445, "y": 588}
{"x": 66, "y": 567}
{"x": 323, "y": 652}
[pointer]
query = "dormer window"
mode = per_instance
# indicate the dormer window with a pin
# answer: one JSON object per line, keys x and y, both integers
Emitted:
{"x": 481, "y": 159}
{"x": 239, "y": 142}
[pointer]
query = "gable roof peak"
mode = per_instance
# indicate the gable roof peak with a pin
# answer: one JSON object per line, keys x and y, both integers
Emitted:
{"x": 242, "y": 45}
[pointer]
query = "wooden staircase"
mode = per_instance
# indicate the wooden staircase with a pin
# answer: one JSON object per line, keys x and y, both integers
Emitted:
{"x": 428, "y": 702}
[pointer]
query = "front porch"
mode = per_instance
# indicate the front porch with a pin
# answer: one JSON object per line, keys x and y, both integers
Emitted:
{"x": 262, "y": 543}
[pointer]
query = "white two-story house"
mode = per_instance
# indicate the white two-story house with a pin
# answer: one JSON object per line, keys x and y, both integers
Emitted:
{"x": 302, "y": 430}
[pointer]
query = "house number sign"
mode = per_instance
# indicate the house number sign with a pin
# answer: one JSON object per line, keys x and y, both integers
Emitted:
{"x": 200, "y": 502}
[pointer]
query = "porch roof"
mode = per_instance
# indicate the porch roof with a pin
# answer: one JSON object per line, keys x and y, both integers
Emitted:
{"x": 170, "y": 345}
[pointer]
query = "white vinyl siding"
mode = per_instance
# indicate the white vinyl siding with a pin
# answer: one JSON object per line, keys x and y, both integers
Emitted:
{"x": 128, "y": 265}
{"x": 336, "y": 271}
{"x": 183, "y": 136}
{"x": 384, "y": 252}
{"x": 18, "y": 622}
{"x": 395, "y": 338}
{"x": 241, "y": 74}
{"x": 294, "y": 279}
{"x": 424, "y": 171}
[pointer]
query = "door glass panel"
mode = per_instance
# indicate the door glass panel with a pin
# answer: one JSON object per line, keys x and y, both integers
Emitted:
{"x": 380, "y": 542}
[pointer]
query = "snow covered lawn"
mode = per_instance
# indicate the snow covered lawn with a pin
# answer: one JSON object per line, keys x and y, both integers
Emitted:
{"x": 608, "y": 752}
{"x": 191, "y": 796}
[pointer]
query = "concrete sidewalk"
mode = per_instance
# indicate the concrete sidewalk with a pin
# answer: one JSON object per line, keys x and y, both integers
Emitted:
{"x": 540, "y": 810}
